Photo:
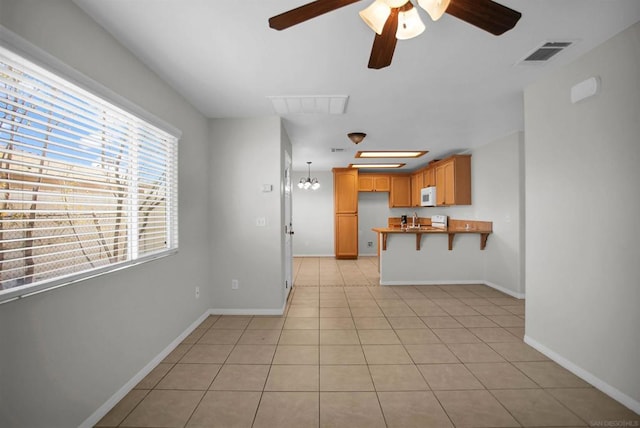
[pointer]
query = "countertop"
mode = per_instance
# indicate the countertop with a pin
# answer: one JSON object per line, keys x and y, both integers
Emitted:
{"x": 483, "y": 228}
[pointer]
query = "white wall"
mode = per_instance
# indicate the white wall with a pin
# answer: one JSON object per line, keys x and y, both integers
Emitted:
{"x": 373, "y": 211}
{"x": 245, "y": 154}
{"x": 498, "y": 196}
{"x": 582, "y": 203}
{"x": 313, "y": 216}
{"x": 67, "y": 351}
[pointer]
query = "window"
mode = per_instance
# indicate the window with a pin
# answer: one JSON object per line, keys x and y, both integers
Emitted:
{"x": 86, "y": 187}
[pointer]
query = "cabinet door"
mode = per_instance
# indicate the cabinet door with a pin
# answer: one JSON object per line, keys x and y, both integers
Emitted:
{"x": 381, "y": 183}
{"x": 365, "y": 183}
{"x": 445, "y": 183}
{"x": 400, "y": 195}
{"x": 345, "y": 191}
{"x": 430, "y": 177}
{"x": 416, "y": 185}
{"x": 449, "y": 183}
{"x": 462, "y": 180}
{"x": 453, "y": 181}
{"x": 346, "y": 239}
{"x": 373, "y": 183}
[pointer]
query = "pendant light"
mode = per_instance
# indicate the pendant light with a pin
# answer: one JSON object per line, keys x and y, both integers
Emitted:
{"x": 308, "y": 182}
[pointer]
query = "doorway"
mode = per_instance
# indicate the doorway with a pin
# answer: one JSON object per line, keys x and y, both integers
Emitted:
{"x": 288, "y": 226}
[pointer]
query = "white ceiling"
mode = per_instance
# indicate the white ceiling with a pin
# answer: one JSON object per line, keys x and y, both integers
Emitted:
{"x": 452, "y": 88}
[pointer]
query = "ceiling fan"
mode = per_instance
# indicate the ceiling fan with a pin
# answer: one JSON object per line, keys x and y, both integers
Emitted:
{"x": 398, "y": 19}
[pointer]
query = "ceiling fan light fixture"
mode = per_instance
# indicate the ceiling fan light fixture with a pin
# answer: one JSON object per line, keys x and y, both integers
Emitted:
{"x": 435, "y": 8}
{"x": 409, "y": 24}
{"x": 356, "y": 137}
{"x": 376, "y": 15}
{"x": 395, "y": 3}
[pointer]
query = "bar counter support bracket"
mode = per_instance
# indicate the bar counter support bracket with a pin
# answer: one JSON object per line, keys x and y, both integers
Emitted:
{"x": 451, "y": 236}
{"x": 483, "y": 240}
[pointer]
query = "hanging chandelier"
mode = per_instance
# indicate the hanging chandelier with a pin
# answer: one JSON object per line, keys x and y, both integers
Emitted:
{"x": 308, "y": 182}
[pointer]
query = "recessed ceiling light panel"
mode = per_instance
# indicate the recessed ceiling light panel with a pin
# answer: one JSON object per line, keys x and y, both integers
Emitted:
{"x": 376, "y": 165}
{"x": 380, "y": 154}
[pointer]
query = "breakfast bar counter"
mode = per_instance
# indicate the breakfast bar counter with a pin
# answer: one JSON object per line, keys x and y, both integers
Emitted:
{"x": 430, "y": 260}
{"x": 483, "y": 228}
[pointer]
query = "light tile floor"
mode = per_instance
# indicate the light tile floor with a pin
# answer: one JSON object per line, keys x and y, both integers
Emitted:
{"x": 349, "y": 353}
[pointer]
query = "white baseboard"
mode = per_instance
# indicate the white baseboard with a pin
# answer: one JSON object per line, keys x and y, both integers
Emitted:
{"x": 460, "y": 282}
{"x": 248, "y": 311}
{"x": 603, "y": 386}
{"x": 505, "y": 290}
{"x": 127, "y": 387}
{"x": 313, "y": 255}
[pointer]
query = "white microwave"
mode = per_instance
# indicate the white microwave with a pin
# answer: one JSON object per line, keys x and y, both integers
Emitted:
{"x": 428, "y": 197}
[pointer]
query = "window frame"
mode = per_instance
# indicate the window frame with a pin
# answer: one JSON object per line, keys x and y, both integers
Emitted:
{"x": 40, "y": 58}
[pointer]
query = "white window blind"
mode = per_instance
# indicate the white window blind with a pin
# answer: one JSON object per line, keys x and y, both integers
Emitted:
{"x": 85, "y": 186}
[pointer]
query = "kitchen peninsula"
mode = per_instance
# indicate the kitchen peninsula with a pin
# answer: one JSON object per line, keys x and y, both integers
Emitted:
{"x": 434, "y": 260}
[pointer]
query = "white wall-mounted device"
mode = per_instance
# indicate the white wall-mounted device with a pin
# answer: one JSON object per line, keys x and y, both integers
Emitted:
{"x": 585, "y": 89}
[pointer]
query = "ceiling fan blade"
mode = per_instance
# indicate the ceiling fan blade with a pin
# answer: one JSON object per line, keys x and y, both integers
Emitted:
{"x": 485, "y": 14}
{"x": 306, "y": 12}
{"x": 385, "y": 44}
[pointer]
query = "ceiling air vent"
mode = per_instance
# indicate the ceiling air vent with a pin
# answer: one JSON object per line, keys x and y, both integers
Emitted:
{"x": 545, "y": 52}
{"x": 336, "y": 150}
{"x": 309, "y": 104}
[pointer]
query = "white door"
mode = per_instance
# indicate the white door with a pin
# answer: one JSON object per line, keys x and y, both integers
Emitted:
{"x": 288, "y": 227}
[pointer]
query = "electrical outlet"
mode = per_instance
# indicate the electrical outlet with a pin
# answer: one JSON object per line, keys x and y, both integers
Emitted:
{"x": 234, "y": 284}
{"x": 197, "y": 292}
{"x": 369, "y": 244}
{"x": 261, "y": 221}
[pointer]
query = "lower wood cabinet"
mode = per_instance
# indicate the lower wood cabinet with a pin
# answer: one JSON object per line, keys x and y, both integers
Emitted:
{"x": 346, "y": 236}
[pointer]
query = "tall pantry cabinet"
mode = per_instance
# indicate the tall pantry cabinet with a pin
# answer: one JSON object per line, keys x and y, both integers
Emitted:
{"x": 345, "y": 204}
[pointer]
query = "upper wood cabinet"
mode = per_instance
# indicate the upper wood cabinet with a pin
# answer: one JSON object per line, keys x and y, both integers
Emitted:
{"x": 417, "y": 183}
{"x": 400, "y": 193}
{"x": 373, "y": 183}
{"x": 345, "y": 190}
{"x": 453, "y": 180}
{"x": 429, "y": 176}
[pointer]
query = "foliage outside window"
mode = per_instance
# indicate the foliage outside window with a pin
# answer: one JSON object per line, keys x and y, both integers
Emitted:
{"x": 85, "y": 186}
